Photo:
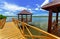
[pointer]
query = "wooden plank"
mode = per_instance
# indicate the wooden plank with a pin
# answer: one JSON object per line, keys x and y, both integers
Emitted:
{"x": 10, "y": 31}
{"x": 36, "y": 36}
{"x": 29, "y": 32}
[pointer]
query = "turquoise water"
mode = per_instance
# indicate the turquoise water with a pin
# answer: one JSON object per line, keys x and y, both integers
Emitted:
{"x": 40, "y": 22}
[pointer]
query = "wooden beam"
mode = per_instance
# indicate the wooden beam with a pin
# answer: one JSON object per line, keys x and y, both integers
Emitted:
{"x": 29, "y": 32}
{"x": 57, "y": 19}
{"x": 21, "y": 17}
{"x": 50, "y": 21}
{"x": 18, "y": 17}
{"x": 56, "y": 26}
{"x": 54, "y": 9}
{"x": 26, "y": 19}
{"x": 31, "y": 18}
{"x": 36, "y": 36}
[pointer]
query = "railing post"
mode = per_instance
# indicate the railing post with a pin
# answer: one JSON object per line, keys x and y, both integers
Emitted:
{"x": 23, "y": 27}
{"x": 50, "y": 36}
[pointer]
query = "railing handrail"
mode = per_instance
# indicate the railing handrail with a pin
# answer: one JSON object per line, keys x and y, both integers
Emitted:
{"x": 44, "y": 32}
{"x": 2, "y": 22}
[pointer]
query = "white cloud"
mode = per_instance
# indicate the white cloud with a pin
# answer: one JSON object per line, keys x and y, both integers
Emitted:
{"x": 12, "y": 7}
{"x": 32, "y": 11}
{"x": 39, "y": 8}
{"x": 9, "y": 14}
{"x": 40, "y": 15}
{"x": 42, "y": 9}
{"x": 45, "y": 2}
{"x": 29, "y": 9}
{"x": 37, "y": 5}
{"x": 36, "y": 8}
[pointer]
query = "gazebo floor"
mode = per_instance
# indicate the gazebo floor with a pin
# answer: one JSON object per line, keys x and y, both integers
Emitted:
{"x": 56, "y": 32}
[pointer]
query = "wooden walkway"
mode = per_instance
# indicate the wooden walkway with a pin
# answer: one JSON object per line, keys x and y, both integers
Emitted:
{"x": 10, "y": 31}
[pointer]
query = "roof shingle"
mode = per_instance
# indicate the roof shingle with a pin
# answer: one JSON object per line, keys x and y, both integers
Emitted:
{"x": 24, "y": 12}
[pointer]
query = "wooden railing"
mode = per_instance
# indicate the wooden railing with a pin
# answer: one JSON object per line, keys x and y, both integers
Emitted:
{"x": 25, "y": 25}
{"x": 2, "y": 22}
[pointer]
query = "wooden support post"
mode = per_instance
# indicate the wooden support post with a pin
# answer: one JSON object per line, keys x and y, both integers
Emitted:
{"x": 50, "y": 21}
{"x": 56, "y": 26}
{"x": 56, "y": 19}
{"x": 26, "y": 19}
{"x": 29, "y": 32}
{"x": 31, "y": 17}
{"x": 18, "y": 17}
{"x": 21, "y": 17}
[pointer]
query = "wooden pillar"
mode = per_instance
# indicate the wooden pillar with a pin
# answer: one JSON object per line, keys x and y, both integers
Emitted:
{"x": 26, "y": 19}
{"x": 50, "y": 21}
{"x": 56, "y": 19}
{"x": 56, "y": 26}
{"x": 31, "y": 17}
{"x": 18, "y": 17}
{"x": 21, "y": 17}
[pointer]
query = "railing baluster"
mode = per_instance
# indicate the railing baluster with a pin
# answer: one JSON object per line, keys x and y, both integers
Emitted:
{"x": 50, "y": 36}
{"x": 29, "y": 32}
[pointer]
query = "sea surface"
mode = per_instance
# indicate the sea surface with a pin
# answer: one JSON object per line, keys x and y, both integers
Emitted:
{"x": 38, "y": 21}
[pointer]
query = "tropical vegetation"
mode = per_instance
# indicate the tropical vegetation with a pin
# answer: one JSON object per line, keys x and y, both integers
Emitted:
{"x": 2, "y": 17}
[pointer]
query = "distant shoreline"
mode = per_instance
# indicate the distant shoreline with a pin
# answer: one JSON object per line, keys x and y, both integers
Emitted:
{"x": 32, "y": 16}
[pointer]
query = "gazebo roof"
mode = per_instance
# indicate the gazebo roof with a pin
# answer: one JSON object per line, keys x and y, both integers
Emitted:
{"x": 55, "y": 4}
{"x": 24, "y": 12}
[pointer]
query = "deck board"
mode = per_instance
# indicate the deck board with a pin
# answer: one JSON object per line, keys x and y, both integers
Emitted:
{"x": 10, "y": 31}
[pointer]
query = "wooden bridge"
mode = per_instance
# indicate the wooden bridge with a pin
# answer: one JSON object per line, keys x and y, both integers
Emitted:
{"x": 13, "y": 30}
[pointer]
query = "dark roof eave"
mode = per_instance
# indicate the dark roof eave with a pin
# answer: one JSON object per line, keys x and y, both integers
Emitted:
{"x": 49, "y": 7}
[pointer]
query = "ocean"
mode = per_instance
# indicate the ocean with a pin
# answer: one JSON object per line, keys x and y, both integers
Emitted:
{"x": 38, "y": 21}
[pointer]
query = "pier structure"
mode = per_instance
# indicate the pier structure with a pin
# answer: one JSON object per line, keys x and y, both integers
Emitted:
{"x": 11, "y": 31}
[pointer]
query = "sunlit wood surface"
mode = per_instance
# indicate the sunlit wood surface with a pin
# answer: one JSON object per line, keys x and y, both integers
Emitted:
{"x": 10, "y": 31}
{"x": 45, "y": 34}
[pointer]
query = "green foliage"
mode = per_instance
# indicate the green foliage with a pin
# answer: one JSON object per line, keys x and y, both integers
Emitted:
{"x": 2, "y": 17}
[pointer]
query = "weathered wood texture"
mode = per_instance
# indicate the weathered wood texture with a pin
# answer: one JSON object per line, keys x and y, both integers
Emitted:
{"x": 10, "y": 31}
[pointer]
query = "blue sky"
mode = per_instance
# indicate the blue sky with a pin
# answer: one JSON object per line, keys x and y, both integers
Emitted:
{"x": 13, "y": 7}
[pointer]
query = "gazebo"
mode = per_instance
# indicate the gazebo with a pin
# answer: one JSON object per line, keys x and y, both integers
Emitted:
{"x": 54, "y": 7}
{"x": 25, "y": 16}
